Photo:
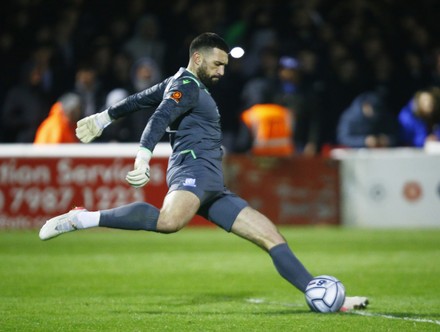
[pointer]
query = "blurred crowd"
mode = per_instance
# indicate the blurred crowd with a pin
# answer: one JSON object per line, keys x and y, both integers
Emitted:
{"x": 355, "y": 73}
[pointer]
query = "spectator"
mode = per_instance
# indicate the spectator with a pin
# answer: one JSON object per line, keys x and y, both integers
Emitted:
{"x": 66, "y": 49}
{"x": 259, "y": 89}
{"x": 144, "y": 74}
{"x": 342, "y": 84}
{"x": 360, "y": 46}
{"x": 120, "y": 71}
{"x": 101, "y": 59}
{"x": 366, "y": 123}
{"x": 42, "y": 56}
{"x": 303, "y": 101}
{"x": 25, "y": 106}
{"x": 89, "y": 89}
{"x": 122, "y": 131}
{"x": 115, "y": 96}
{"x": 260, "y": 34}
{"x": 59, "y": 126}
{"x": 287, "y": 90}
{"x": 146, "y": 41}
{"x": 227, "y": 94}
{"x": 419, "y": 120}
{"x": 267, "y": 130}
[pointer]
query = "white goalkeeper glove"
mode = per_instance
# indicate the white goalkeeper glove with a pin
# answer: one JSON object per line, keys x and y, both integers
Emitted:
{"x": 140, "y": 176}
{"x": 90, "y": 127}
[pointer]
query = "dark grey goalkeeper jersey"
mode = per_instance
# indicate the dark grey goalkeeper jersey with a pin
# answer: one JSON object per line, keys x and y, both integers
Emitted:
{"x": 185, "y": 108}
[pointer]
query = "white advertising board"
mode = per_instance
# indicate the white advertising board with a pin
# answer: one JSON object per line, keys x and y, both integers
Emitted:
{"x": 389, "y": 188}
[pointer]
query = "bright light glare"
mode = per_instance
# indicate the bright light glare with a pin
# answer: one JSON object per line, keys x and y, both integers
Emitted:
{"x": 237, "y": 52}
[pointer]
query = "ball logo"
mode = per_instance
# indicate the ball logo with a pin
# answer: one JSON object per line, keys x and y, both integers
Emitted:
{"x": 412, "y": 191}
{"x": 176, "y": 96}
{"x": 325, "y": 294}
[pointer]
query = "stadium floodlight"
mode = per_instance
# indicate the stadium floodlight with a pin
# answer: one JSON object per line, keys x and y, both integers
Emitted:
{"x": 237, "y": 52}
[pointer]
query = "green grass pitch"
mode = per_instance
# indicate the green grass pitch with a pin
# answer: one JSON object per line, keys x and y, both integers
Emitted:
{"x": 204, "y": 279}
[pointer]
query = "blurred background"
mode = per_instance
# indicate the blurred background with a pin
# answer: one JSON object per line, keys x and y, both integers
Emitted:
{"x": 343, "y": 48}
{"x": 330, "y": 74}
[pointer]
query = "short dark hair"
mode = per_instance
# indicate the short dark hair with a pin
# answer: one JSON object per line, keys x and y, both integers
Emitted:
{"x": 207, "y": 40}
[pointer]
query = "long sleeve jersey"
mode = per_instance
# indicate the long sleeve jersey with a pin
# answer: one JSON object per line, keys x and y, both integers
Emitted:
{"x": 184, "y": 107}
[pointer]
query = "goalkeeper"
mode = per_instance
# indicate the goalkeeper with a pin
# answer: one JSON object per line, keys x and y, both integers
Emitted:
{"x": 187, "y": 111}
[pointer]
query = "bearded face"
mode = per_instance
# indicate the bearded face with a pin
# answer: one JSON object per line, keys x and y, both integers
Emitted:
{"x": 206, "y": 77}
{"x": 212, "y": 67}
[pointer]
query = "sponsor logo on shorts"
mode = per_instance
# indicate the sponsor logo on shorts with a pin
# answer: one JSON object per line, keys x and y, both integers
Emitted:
{"x": 189, "y": 182}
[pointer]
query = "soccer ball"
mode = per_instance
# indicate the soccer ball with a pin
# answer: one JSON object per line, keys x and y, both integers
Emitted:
{"x": 325, "y": 294}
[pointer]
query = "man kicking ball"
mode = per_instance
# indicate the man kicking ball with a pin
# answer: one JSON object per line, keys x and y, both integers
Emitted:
{"x": 185, "y": 108}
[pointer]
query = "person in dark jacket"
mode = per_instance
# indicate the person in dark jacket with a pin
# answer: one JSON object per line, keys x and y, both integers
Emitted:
{"x": 26, "y": 105}
{"x": 366, "y": 123}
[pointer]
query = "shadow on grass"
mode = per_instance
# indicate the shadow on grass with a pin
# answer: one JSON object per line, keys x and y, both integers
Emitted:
{"x": 215, "y": 304}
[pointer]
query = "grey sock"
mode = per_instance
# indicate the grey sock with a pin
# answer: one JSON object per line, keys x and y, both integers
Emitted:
{"x": 134, "y": 216}
{"x": 289, "y": 267}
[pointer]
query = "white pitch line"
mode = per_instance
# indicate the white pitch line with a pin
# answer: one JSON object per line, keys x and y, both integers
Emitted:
{"x": 410, "y": 319}
{"x": 353, "y": 312}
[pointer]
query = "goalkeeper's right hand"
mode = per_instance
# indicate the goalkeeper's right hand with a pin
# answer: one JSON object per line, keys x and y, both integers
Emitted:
{"x": 90, "y": 127}
{"x": 140, "y": 176}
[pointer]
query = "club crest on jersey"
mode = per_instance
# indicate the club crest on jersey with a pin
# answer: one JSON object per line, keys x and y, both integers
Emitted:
{"x": 189, "y": 182}
{"x": 176, "y": 96}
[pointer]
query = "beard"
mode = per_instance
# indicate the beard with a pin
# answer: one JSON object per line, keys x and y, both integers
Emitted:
{"x": 205, "y": 78}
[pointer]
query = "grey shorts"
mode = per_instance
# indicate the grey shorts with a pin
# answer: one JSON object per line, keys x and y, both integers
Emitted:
{"x": 222, "y": 208}
{"x": 217, "y": 204}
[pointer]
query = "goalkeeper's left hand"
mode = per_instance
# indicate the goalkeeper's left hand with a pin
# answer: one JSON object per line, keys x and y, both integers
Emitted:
{"x": 90, "y": 127}
{"x": 140, "y": 176}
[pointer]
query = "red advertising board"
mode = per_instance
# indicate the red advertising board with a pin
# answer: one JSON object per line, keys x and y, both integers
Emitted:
{"x": 37, "y": 184}
{"x": 35, "y": 189}
{"x": 291, "y": 191}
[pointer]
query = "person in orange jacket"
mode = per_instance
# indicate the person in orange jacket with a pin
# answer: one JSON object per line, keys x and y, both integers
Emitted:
{"x": 59, "y": 126}
{"x": 271, "y": 128}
